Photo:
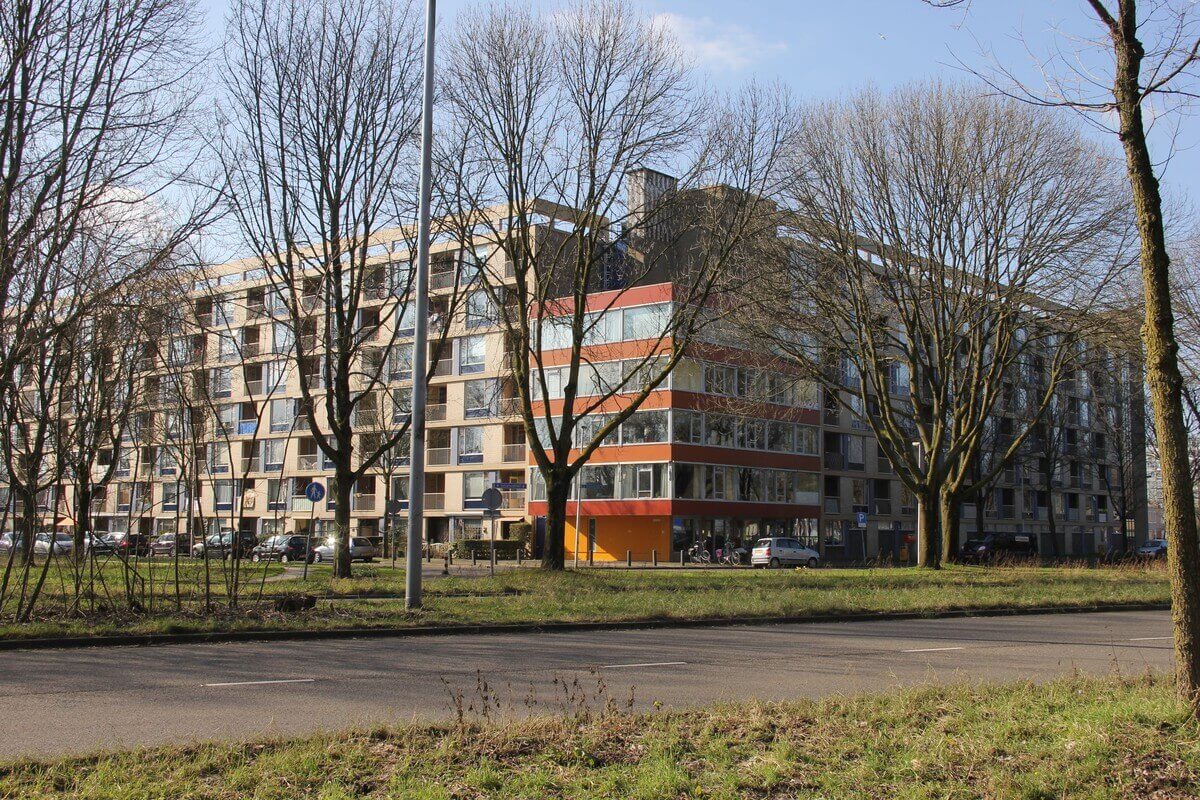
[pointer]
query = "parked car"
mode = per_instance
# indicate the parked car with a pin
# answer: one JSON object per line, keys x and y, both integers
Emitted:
{"x": 168, "y": 544}
{"x": 131, "y": 544}
{"x": 101, "y": 544}
{"x": 9, "y": 542}
{"x": 1153, "y": 548}
{"x": 779, "y": 551}
{"x": 225, "y": 545}
{"x": 50, "y": 543}
{"x": 361, "y": 549}
{"x": 284, "y": 547}
{"x": 983, "y": 549}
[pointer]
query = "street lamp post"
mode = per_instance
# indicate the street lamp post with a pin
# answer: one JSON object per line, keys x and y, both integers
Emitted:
{"x": 416, "y": 481}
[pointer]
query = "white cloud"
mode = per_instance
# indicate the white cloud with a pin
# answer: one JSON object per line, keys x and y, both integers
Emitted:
{"x": 718, "y": 46}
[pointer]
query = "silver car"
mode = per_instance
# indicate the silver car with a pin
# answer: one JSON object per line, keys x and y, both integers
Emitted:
{"x": 361, "y": 549}
{"x": 781, "y": 551}
{"x": 56, "y": 543}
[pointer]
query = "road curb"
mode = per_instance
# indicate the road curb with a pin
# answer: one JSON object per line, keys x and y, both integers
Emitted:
{"x": 215, "y": 637}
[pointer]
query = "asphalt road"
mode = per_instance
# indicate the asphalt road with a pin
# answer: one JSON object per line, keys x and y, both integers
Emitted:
{"x": 57, "y": 702}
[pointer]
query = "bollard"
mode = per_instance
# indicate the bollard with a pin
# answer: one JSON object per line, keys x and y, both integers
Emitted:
{"x": 682, "y": 555}
{"x": 446, "y": 565}
{"x": 629, "y": 558}
{"x": 654, "y": 557}
{"x": 429, "y": 556}
{"x": 493, "y": 558}
{"x": 520, "y": 553}
{"x": 450, "y": 555}
{"x": 473, "y": 560}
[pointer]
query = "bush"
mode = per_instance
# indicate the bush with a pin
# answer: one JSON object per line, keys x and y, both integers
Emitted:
{"x": 505, "y": 548}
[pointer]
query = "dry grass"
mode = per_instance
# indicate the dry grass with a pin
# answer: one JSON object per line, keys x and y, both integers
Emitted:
{"x": 1076, "y": 738}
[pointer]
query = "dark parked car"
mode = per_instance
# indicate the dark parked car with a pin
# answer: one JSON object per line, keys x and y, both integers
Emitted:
{"x": 168, "y": 544}
{"x": 981, "y": 550}
{"x": 225, "y": 545}
{"x": 1153, "y": 548}
{"x": 102, "y": 544}
{"x": 284, "y": 547}
{"x": 131, "y": 544}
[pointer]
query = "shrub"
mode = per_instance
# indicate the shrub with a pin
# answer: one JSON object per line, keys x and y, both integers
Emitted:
{"x": 505, "y": 548}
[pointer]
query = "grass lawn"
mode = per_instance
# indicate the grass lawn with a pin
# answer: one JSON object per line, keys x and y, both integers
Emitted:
{"x": 374, "y": 597}
{"x": 1079, "y": 738}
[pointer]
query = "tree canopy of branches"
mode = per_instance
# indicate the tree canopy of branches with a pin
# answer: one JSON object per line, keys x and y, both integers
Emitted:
{"x": 553, "y": 120}
{"x": 947, "y": 249}
{"x": 318, "y": 135}
{"x": 1143, "y": 66}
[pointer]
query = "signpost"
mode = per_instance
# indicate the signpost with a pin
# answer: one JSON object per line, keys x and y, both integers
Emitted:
{"x": 491, "y": 503}
{"x": 315, "y": 493}
{"x": 391, "y": 511}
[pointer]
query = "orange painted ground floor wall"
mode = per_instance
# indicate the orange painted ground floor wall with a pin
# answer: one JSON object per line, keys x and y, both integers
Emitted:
{"x": 644, "y": 527}
{"x": 640, "y": 536}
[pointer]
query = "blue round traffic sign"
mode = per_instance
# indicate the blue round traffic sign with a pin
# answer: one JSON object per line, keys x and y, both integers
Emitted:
{"x": 314, "y": 492}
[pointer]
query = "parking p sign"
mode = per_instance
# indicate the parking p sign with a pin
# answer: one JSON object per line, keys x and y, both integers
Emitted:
{"x": 860, "y": 519}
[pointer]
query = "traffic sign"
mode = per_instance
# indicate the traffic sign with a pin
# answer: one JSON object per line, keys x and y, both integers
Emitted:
{"x": 503, "y": 485}
{"x": 394, "y": 506}
{"x": 592, "y": 485}
{"x": 491, "y": 499}
{"x": 314, "y": 492}
{"x": 861, "y": 519}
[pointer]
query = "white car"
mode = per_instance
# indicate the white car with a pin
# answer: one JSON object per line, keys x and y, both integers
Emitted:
{"x": 53, "y": 543}
{"x": 780, "y": 551}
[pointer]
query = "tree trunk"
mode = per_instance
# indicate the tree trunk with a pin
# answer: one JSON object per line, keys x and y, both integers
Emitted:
{"x": 948, "y": 507}
{"x": 341, "y": 522}
{"x": 558, "y": 490}
{"x": 929, "y": 544}
{"x": 1162, "y": 367}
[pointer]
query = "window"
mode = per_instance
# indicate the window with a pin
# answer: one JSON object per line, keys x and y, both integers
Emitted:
{"x": 750, "y": 484}
{"x": 276, "y": 494}
{"x": 477, "y": 398}
{"x": 806, "y": 440}
{"x": 807, "y": 488}
{"x": 718, "y": 430}
{"x": 645, "y": 427}
{"x": 170, "y": 496}
{"x": 226, "y": 348}
{"x": 282, "y": 339}
{"x": 474, "y": 484}
{"x": 599, "y": 379}
{"x": 218, "y": 459}
{"x": 599, "y": 482}
{"x": 219, "y": 382}
{"x": 400, "y": 362}
{"x": 470, "y": 445}
{"x": 645, "y": 322}
{"x": 688, "y": 376}
{"x": 751, "y": 434}
{"x": 275, "y": 375}
{"x": 471, "y": 354}
{"x": 166, "y": 462}
{"x": 780, "y": 436}
{"x": 688, "y": 427}
{"x": 643, "y": 481}
{"x": 401, "y": 403}
{"x": 720, "y": 379}
{"x": 480, "y": 310}
{"x": 283, "y": 415}
{"x": 602, "y": 327}
{"x": 272, "y": 454}
{"x": 223, "y": 495}
{"x": 687, "y": 481}
{"x": 716, "y": 483}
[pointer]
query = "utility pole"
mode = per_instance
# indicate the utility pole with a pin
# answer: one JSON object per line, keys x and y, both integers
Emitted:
{"x": 416, "y": 480}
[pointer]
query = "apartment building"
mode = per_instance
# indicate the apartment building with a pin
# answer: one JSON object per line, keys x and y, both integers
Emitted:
{"x": 731, "y": 447}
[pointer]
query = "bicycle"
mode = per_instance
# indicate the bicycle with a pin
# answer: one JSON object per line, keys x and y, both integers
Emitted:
{"x": 698, "y": 555}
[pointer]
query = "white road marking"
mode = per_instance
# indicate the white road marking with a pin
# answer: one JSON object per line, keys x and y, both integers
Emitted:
{"x": 932, "y": 649}
{"x": 263, "y": 683}
{"x": 649, "y": 664}
{"x": 1151, "y": 638}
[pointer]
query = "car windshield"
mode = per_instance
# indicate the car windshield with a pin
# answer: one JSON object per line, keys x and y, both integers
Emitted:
{"x": 360, "y": 542}
{"x": 764, "y": 543}
{"x": 63, "y": 537}
{"x": 977, "y": 542}
{"x": 1156, "y": 543}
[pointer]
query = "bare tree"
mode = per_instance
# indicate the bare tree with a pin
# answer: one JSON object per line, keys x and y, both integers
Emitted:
{"x": 556, "y": 119}
{"x": 318, "y": 134}
{"x": 946, "y": 247}
{"x": 1149, "y": 59}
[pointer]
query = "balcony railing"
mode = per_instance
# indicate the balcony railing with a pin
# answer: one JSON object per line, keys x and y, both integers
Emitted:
{"x": 509, "y": 406}
{"x": 435, "y": 501}
{"x": 513, "y": 452}
{"x": 435, "y": 411}
{"x": 306, "y": 462}
{"x": 835, "y": 461}
{"x": 444, "y": 366}
{"x": 439, "y": 456}
{"x": 362, "y": 502}
{"x": 512, "y": 499}
{"x": 832, "y": 505}
{"x": 441, "y": 280}
{"x": 883, "y": 507}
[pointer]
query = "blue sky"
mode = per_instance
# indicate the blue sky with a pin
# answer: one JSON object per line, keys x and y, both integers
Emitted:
{"x": 822, "y": 49}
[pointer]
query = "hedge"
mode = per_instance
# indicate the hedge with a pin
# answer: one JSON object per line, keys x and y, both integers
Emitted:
{"x": 505, "y": 548}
